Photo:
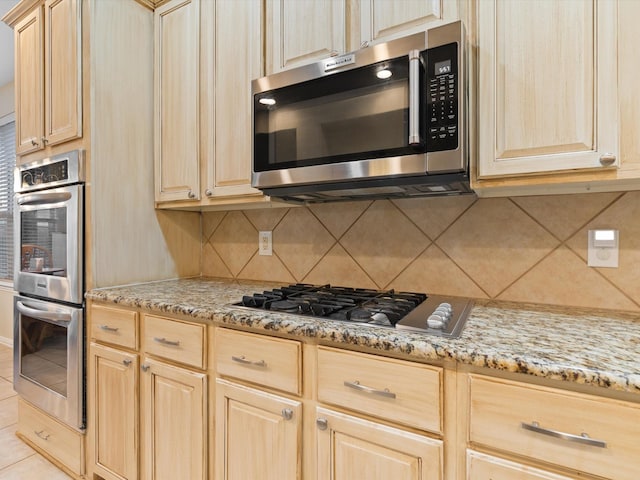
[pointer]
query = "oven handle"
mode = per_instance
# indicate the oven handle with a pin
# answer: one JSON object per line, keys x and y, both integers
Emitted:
{"x": 41, "y": 198}
{"x": 55, "y": 317}
{"x": 414, "y": 97}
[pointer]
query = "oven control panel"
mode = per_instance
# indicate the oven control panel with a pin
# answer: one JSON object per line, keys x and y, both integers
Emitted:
{"x": 63, "y": 169}
{"x": 45, "y": 174}
{"x": 442, "y": 97}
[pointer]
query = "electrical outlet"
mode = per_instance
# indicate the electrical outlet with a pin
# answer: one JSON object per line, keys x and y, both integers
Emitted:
{"x": 265, "y": 246}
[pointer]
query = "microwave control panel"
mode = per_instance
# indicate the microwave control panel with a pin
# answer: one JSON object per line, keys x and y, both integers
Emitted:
{"x": 442, "y": 97}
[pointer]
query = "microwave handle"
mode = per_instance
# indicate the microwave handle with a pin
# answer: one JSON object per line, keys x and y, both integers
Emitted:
{"x": 54, "y": 317}
{"x": 42, "y": 198}
{"x": 414, "y": 97}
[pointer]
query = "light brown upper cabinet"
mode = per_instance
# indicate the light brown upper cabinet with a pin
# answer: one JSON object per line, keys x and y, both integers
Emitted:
{"x": 177, "y": 47}
{"x": 48, "y": 75}
{"x": 547, "y": 89}
{"x": 207, "y": 53}
{"x": 303, "y": 31}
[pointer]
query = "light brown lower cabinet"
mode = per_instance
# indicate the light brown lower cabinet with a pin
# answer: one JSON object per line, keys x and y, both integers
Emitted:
{"x": 258, "y": 434}
{"x": 174, "y": 422}
{"x": 486, "y": 467}
{"x": 113, "y": 403}
{"x": 353, "y": 448}
{"x": 147, "y": 418}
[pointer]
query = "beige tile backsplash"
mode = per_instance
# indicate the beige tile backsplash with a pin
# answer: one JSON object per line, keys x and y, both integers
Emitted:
{"x": 526, "y": 249}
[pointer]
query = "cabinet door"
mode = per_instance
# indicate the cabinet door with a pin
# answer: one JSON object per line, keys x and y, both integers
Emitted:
{"x": 174, "y": 422}
{"x": 382, "y": 20}
{"x": 257, "y": 434}
{"x": 177, "y": 47}
{"x": 63, "y": 75}
{"x": 240, "y": 23}
{"x": 547, "y": 94}
{"x": 485, "y": 467}
{"x": 29, "y": 90}
{"x": 349, "y": 447}
{"x": 303, "y": 31}
{"x": 113, "y": 417}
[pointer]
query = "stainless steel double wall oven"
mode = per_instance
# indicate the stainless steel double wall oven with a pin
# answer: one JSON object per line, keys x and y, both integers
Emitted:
{"x": 49, "y": 344}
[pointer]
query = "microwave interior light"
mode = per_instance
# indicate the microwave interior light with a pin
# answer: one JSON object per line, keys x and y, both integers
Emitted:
{"x": 384, "y": 73}
{"x": 267, "y": 101}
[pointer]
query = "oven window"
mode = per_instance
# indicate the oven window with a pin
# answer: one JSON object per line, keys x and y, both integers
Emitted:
{"x": 43, "y": 239}
{"x": 43, "y": 353}
{"x": 358, "y": 114}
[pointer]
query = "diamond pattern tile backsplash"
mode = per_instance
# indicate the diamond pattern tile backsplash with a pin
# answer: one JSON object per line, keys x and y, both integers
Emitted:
{"x": 525, "y": 249}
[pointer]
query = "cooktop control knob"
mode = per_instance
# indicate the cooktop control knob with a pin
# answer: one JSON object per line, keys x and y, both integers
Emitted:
{"x": 440, "y": 316}
{"x": 435, "y": 321}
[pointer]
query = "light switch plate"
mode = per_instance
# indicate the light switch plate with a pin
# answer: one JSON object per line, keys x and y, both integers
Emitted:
{"x": 603, "y": 248}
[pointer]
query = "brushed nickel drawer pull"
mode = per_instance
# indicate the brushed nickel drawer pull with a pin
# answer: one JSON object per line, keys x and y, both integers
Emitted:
{"x": 287, "y": 413}
{"x": 244, "y": 361}
{"x": 126, "y": 363}
{"x": 322, "y": 423}
{"x": 583, "y": 438}
{"x": 42, "y": 435}
{"x": 363, "y": 388}
{"x": 164, "y": 341}
{"x": 107, "y": 328}
{"x": 145, "y": 368}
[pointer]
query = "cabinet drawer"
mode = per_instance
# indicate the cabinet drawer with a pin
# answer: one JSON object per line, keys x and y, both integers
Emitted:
{"x": 268, "y": 361}
{"x": 399, "y": 391}
{"x": 485, "y": 467}
{"x": 115, "y": 326}
{"x": 178, "y": 341}
{"x": 504, "y": 413}
{"x": 54, "y": 438}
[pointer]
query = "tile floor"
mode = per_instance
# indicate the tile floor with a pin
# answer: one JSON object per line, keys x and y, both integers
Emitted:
{"x": 17, "y": 460}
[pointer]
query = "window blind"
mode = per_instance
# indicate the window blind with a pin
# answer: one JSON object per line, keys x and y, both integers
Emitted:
{"x": 7, "y": 164}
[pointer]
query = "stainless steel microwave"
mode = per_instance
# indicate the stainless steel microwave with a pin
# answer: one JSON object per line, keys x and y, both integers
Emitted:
{"x": 386, "y": 121}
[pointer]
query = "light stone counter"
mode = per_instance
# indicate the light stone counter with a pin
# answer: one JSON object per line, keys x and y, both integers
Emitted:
{"x": 599, "y": 349}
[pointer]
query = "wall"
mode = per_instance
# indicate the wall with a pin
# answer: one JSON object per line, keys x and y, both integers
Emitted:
{"x": 525, "y": 249}
{"x": 6, "y": 293}
{"x": 6, "y": 99}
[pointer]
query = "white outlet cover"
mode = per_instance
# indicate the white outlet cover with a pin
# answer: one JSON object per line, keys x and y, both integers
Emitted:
{"x": 265, "y": 243}
{"x": 603, "y": 248}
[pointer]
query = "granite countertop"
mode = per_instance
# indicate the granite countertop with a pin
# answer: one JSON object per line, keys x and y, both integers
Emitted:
{"x": 591, "y": 348}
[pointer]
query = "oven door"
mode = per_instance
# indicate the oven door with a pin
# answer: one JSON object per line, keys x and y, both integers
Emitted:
{"x": 49, "y": 244}
{"x": 48, "y": 358}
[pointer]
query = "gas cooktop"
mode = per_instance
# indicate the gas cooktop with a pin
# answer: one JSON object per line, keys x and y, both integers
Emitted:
{"x": 434, "y": 314}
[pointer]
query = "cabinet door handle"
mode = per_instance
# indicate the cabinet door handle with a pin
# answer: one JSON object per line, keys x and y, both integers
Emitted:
{"x": 287, "y": 413}
{"x": 191, "y": 194}
{"x": 322, "y": 423}
{"x": 126, "y": 363}
{"x": 44, "y": 140}
{"x": 244, "y": 361}
{"x": 34, "y": 143}
{"x": 583, "y": 438}
{"x": 107, "y": 328}
{"x": 356, "y": 385}
{"x": 42, "y": 435}
{"x": 144, "y": 367}
{"x": 164, "y": 341}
